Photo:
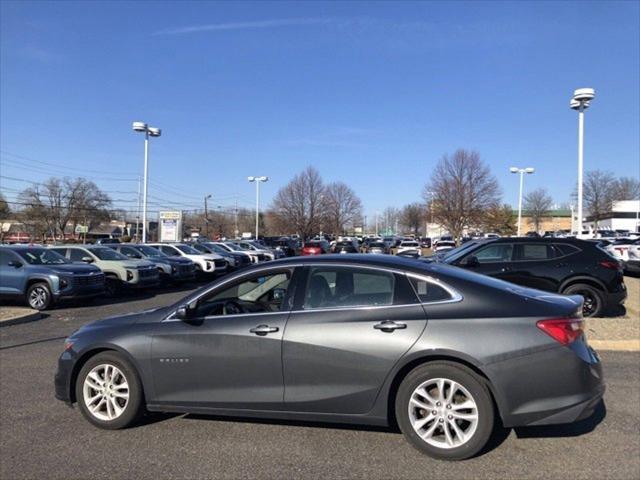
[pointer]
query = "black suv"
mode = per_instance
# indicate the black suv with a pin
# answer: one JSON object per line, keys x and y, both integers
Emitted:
{"x": 563, "y": 265}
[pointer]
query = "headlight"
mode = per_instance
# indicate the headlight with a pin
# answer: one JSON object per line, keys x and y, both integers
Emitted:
{"x": 129, "y": 275}
{"x": 209, "y": 265}
{"x": 63, "y": 283}
{"x": 173, "y": 269}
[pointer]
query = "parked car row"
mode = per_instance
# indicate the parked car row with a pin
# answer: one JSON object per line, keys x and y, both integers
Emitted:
{"x": 43, "y": 276}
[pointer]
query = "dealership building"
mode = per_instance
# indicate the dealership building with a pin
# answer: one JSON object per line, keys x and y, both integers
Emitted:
{"x": 623, "y": 216}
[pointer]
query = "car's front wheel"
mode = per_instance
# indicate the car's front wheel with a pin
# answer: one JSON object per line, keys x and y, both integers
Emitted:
{"x": 39, "y": 296}
{"x": 445, "y": 411}
{"x": 109, "y": 392}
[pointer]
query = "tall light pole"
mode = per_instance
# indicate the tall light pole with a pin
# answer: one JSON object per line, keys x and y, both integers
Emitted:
{"x": 521, "y": 171}
{"x": 257, "y": 181}
{"x": 148, "y": 132}
{"x": 206, "y": 216}
{"x": 580, "y": 101}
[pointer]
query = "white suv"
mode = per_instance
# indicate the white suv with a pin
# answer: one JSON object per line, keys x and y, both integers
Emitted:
{"x": 210, "y": 263}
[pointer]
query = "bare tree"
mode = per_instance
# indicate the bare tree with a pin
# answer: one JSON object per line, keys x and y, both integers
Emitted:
{"x": 61, "y": 202}
{"x": 537, "y": 205}
{"x": 412, "y": 217}
{"x": 343, "y": 207}
{"x": 463, "y": 190}
{"x": 626, "y": 188}
{"x": 598, "y": 193}
{"x": 389, "y": 220}
{"x": 5, "y": 211}
{"x": 500, "y": 219}
{"x": 300, "y": 203}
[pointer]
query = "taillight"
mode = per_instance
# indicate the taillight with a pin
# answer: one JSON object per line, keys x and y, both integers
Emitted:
{"x": 563, "y": 330}
{"x": 612, "y": 264}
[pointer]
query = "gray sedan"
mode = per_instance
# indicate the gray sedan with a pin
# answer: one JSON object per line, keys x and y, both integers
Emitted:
{"x": 360, "y": 339}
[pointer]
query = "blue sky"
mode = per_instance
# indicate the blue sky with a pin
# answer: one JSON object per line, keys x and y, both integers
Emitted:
{"x": 369, "y": 93}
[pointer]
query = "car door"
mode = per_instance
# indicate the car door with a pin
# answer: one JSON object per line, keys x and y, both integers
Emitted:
{"x": 538, "y": 265}
{"x": 494, "y": 259}
{"x": 12, "y": 277}
{"x": 228, "y": 352}
{"x": 349, "y": 327}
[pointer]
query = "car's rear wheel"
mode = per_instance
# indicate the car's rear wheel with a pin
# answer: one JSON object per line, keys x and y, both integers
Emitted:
{"x": 112, "y": 286}
{"x": 39, "y": 296}
{"x": 593, "y": 305}
{"x": 109, "y": 392}
{"x": 445, "y": 410}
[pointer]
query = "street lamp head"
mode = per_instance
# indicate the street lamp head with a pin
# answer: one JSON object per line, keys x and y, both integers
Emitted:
{"x": 584, "y": 94}
{"x": 514, "y": 170}
{"x": 251, "y": 179}
{"x": 155, "y": 132}
{"x": 139, "y": 126}
{"x": 263, "y": 179}
{"x": 529, "y": 170}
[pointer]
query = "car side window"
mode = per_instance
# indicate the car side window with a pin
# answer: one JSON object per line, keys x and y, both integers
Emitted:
{"x": 429, "y": 291}
{"x": 6, "y": 257}
{"x": 335, "y": 287}
{"x": 494, "y": 253}
{"x": 60, "y": 251}
{"x": 76, "y": 254}
{"x": 566, "y": 249}
{"x": 536, "y": 251}
{"x": 261, "y": 293}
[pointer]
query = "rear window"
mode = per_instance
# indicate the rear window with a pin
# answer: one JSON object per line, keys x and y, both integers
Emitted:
{"x": 429, "y": 291}
{"x": 566, "y": 249}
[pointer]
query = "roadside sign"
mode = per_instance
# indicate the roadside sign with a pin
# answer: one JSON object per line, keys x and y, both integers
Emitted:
{"x": 82, "y": 229}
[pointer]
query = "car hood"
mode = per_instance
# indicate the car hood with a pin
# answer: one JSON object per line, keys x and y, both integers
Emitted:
{"x": 78, "y": 269}
{"x": 135, "y": 263}
{"x": 120, "y": 320}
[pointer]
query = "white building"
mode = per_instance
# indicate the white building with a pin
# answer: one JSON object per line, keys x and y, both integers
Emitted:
{"x": 623, "y": 216}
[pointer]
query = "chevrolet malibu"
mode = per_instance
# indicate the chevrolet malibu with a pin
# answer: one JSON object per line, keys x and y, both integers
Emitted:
{"x": 362, "y": 339}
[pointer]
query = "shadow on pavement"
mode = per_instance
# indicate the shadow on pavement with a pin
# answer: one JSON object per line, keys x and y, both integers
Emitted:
{"x": 34, "y": 342}
{"x": 565, "y": 430}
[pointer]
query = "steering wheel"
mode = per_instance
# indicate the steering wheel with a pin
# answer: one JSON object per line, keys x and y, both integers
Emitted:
{"x": 231, "y": 307}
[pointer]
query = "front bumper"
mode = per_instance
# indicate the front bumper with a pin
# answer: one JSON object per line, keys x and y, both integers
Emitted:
{"x": 62, "y": 378}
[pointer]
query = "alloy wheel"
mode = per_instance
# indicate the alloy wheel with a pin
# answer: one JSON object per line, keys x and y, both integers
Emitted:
{"x": 443, "y": 413}
{"x": 38, "y": 298}
{"x": 106, "y": 392}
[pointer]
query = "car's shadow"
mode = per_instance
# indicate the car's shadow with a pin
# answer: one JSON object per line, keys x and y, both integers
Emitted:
{"x": 499, "y": 436}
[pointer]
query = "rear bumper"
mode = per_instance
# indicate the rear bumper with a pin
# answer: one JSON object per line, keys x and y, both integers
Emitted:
{"x": 552, "y": 386}
{"x": 632, "y": 266}
{"x": 616, "y": 298}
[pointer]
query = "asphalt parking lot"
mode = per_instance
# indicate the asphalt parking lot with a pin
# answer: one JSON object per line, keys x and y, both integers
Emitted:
{"x": 42, "y": 438}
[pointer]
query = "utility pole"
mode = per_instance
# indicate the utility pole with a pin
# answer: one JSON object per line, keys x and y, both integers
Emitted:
{"x": 235, "y": 231}
{"x": 138, "y": 216}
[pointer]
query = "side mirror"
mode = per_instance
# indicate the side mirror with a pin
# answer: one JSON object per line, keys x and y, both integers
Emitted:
{"x": 472, "y": 261}
{"x": 278, "y": 294}
{"x": 15, "y": 264}
{"x": 185, "y": 312}
{"x": 87, "y": 259}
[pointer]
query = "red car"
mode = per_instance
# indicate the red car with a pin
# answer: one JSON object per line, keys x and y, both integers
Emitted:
{"x": 315, "y": 247}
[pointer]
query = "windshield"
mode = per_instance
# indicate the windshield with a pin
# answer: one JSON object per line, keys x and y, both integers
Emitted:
{"x": 245, "y": 246}
{"x": 455, "y": 253}
{"x": 150, "y": 251}
{"x": 187, "y": 249}
{"x": 376, "y": 245}
{"x": 106, "y": 253}
{"x": 42, "y": 256}
{"x": 409, "y": 244}
{"x": 231, "y": 246}
{"x": 216, "y": 248}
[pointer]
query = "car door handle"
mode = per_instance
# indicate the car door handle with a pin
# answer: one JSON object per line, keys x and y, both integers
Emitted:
{"x": 389, "y": 326}
{"x": 263, "y": 330}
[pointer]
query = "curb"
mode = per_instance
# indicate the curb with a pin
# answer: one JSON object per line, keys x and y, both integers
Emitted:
{"x": 21, "y": 319}
{"x": 616, "y": 345}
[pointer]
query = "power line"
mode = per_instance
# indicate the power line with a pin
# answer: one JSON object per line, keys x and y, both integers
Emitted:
{"x": 22, "y": 157}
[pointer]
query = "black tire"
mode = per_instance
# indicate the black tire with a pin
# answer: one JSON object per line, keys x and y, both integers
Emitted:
{"x": 112, "y": 286}
{"x": 135, "y": 405}
{"x": 470, "y": 381}
{"x": 594, "y": 302}
{"x": 39, "y": 296}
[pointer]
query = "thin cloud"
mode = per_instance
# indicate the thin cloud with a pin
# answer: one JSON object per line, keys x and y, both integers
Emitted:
{"x": 216, "y": 27}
